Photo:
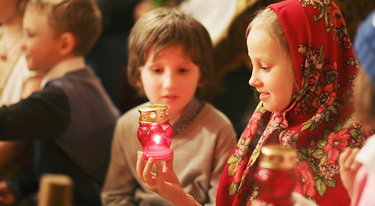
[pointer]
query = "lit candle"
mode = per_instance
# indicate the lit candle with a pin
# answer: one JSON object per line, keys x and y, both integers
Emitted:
{"x": 155, "y": 132}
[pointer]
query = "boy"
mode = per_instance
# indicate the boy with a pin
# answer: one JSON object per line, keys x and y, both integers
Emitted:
{"x": 71, "y": 119}
{"x": 170, "y": 57}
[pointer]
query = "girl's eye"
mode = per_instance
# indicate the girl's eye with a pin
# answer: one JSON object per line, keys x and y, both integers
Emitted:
{"x": 263, "y": 67}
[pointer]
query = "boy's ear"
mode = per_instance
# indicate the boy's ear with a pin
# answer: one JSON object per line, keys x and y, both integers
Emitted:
{"x": 67, "y": 43}
{"x": 202, "y": 83}
{"x": 139, "y": 83}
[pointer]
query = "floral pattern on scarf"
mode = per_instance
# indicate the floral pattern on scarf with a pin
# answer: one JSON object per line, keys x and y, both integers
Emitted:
{"x": 318, "y": 121}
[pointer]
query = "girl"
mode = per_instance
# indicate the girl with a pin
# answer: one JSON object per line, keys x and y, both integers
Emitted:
{"x": 358, "y": 171}
{"x": 303, "y": 67}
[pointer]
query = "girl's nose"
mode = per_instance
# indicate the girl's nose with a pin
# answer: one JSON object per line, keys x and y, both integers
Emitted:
{"x": 254, "y": 80}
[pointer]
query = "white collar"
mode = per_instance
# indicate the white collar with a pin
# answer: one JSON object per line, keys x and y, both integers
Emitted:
{"x": 63, "y": 67}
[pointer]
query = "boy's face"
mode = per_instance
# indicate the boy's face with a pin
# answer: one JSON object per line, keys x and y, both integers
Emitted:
{"x": 272, "y": 74}
{"x": 40, "y": 45}
{"x": 170, "y": 78}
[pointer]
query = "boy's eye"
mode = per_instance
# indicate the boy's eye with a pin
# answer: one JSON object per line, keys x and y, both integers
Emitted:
{"x": 157, "y": 70}
{"x": 183, "y": 70}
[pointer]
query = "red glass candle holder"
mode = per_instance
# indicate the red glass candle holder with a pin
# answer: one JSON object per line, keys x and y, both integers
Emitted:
{"x": 155, "y": 132}
{"x": 276, "y": 175}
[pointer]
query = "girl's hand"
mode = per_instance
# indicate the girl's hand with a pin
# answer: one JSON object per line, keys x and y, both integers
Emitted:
{"x": 348, "y": 168}
{"x": 164, "y": 181}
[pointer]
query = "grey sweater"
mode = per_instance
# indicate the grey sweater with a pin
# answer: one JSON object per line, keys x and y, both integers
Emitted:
{"x": 201, "y": 150}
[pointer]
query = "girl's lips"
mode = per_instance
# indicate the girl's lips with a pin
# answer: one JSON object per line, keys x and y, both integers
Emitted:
{"x": 263, "y": 96}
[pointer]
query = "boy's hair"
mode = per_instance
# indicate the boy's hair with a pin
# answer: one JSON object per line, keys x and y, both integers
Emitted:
{"x": 82, "y": 18}
{"x": 163, "y": 27}
{"x": 269, "y": 19}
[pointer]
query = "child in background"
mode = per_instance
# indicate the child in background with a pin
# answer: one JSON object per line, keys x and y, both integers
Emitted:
{"x": 303, "y": 67}
{"x": 170, "y": 57}
{"x": 13, "y": 78}
{"x": 71, "y": 120}
{"x": 357, "y": 166}
{"x": 13, "y": 69}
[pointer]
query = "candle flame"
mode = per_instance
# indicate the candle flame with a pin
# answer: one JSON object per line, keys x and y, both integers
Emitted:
{"x": 157, "y": 138}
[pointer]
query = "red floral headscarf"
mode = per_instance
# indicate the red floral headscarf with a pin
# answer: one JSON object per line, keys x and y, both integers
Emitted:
{"x": 317, "y": 123}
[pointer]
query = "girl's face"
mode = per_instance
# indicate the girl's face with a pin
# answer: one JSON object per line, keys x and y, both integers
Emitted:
{"x": 170, "y": 78}
{"x": 272, "y": 75}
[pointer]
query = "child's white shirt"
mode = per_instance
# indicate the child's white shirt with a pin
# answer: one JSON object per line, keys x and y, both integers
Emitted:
{"x": 63, "y": 67}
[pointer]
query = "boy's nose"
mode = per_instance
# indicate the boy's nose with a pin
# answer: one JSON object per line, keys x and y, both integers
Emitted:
{"x": 168, "y": 80}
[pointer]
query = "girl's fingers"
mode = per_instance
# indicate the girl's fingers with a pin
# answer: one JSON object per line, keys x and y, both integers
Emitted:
{"x": 140, "y": 165}
{"x": 159, "y": 167}
{"x": 159, "y": 172}
{"x": 169, "y": 164}
{"x": 148, "y": 175}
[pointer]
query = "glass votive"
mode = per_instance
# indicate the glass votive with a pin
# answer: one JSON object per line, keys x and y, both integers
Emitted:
{"x": 276, "y": 175}
{"x": 155, "y": 132}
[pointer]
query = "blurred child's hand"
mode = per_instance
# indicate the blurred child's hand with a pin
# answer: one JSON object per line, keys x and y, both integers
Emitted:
{"x": 6, "y": 197}
{"x": 348, "y": 168}
{"x": 163, "y": 181}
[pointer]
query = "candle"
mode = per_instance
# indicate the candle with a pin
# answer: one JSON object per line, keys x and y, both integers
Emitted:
{"x": 276, "y": 175}
{"x": 155, "y": 132}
